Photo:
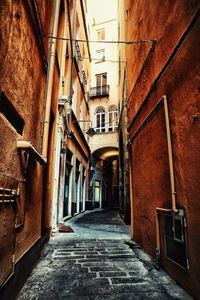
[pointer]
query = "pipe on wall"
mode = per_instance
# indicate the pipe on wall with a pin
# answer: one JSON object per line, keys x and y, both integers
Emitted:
{"x": 131, "y": 196}
{"x": 72, "y": 35}
{"x": 170, "y": 155}
{"x": 171, "y": 169}
{"x": 49, "y": 87}
{"x": 169, "y": 145}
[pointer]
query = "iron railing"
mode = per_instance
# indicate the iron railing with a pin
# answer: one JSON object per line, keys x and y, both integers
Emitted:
{"x": 77, "y": 52}
{"x": 99, "y": 91}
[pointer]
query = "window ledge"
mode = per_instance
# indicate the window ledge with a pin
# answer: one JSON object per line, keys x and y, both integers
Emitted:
{"x": 28, "y": 147}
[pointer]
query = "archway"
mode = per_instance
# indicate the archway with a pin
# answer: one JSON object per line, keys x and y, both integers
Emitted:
{"x": 104, "y": 183}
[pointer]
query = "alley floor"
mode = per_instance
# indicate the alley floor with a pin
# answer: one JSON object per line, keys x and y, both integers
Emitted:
{"x": 97, "y": 262}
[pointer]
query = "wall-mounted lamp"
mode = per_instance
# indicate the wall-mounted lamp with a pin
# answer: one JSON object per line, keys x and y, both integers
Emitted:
{"x": 90, "y": 131}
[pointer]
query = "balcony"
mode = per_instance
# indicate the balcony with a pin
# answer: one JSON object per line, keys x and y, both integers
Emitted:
{"x": 77, "y": 52}
{"x": 99, "y": 91}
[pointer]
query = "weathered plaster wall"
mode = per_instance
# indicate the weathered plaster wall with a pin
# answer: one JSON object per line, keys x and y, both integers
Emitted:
{"x": 150, "y": 178}
{"x": 149, "y": 20}
{"x": 22, "y": 80}
{"x": 180, "y": 82}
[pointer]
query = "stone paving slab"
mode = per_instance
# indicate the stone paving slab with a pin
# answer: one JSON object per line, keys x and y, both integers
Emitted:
{"x": 74, "y": 266}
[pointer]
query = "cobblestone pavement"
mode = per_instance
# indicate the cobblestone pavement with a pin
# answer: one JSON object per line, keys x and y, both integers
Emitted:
{"x": 97, "y": 262}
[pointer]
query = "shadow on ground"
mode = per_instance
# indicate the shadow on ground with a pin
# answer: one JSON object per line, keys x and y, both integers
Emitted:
{"x": 103, "y": 217}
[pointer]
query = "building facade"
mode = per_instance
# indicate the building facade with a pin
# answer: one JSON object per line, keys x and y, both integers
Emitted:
{"x": 71, "y": 151}
{"x": 44, "y": 157}
{"x": 103, "y": 103}
{"x": 163, "y": 114}
{"x": 124, "y": 180}
{"x": 23, "y": 73}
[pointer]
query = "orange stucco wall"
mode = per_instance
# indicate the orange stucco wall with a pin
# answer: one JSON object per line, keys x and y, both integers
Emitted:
{"x": 179, "y": 81}
{"x": 22, "y": 81}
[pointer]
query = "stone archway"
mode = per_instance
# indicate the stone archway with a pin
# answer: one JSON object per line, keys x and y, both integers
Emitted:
{"x": 105, "y": 179}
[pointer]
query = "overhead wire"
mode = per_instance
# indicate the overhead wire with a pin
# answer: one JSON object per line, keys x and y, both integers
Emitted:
{"x": 100, "y": 41}
{"x": 98, "y": 59}
{"x": 113, "y": 121}
{"x": 94, "y": 59}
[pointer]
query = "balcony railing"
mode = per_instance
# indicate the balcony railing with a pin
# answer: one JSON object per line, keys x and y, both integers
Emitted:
{"x": 77, "y": 52}
{"x": 99, "y": 91}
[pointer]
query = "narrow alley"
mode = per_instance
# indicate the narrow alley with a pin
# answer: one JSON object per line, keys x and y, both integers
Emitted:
{"x": 99, "y": 149}
{"x": 97, "y": 261}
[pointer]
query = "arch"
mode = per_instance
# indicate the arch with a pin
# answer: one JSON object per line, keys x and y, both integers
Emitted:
{"x": 106, "y": 153}
{"x": 112, "y": 108}
{"x": 99, "y": 108}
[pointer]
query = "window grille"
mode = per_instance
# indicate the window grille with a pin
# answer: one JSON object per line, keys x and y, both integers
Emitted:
{"x": 7, "y": 195}
{"x": 175, "y": 240}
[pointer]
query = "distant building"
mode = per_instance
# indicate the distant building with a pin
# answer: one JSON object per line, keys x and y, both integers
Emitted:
{"x": 103, "y": 103}
{"x": 162, "y": 77}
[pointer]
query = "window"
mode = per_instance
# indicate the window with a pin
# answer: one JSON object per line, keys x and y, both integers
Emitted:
{"x": 97, "y": 193}
{"x": 67, "y": 184}
{"x": 100, "y": 120}
{"x": 175, "y": 239}
{"x": 113, "y": 119}
{"x": 100, "y": 54}
{"x": 106, "y": 121}
{"x": 101, "y": 34}
{"x": 83, "y": 196}
{"x": 101, "y": 79}
{"x": 101, "y": 83}
{"x": 77, "y": 175}
{"x": 10, "y": 113}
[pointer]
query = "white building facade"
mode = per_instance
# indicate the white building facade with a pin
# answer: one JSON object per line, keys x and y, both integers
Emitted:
{"x": 103, "y": 103}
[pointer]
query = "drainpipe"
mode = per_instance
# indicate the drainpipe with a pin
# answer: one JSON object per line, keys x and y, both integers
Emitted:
{"x": 170, "y": 155}
{"x": 131, "y": 195}
{"x": 49, "y": 87}
{"x": 172, "y": 182}
{"x": 171, "y": 169}
{"x": 72, "y": 33}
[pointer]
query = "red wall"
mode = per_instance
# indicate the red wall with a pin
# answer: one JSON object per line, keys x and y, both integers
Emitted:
{"x": 179, "y": 81}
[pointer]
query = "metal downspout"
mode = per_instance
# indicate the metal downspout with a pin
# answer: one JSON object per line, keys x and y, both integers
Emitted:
{"x": 49, "y": 87}
{"x": 170, "y": 155}
{"x": 172, "y": 182}
{"x": 171, "y": 169}
{"x": 72, "y": 32}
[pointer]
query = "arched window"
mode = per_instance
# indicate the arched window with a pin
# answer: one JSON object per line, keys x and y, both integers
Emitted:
{"x": 113, "y": 118}
{"x": 100, "y": 120}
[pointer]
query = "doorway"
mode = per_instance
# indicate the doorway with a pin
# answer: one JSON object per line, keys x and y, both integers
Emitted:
{"x": 97, "y": 193}
{"x": 67, "y": 191}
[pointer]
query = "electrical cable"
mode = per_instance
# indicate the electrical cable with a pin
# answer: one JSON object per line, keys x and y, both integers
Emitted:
{"x": 116, "y": 119}
{"x": 98, "y": 59}
{"x": 102, "y": 41}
